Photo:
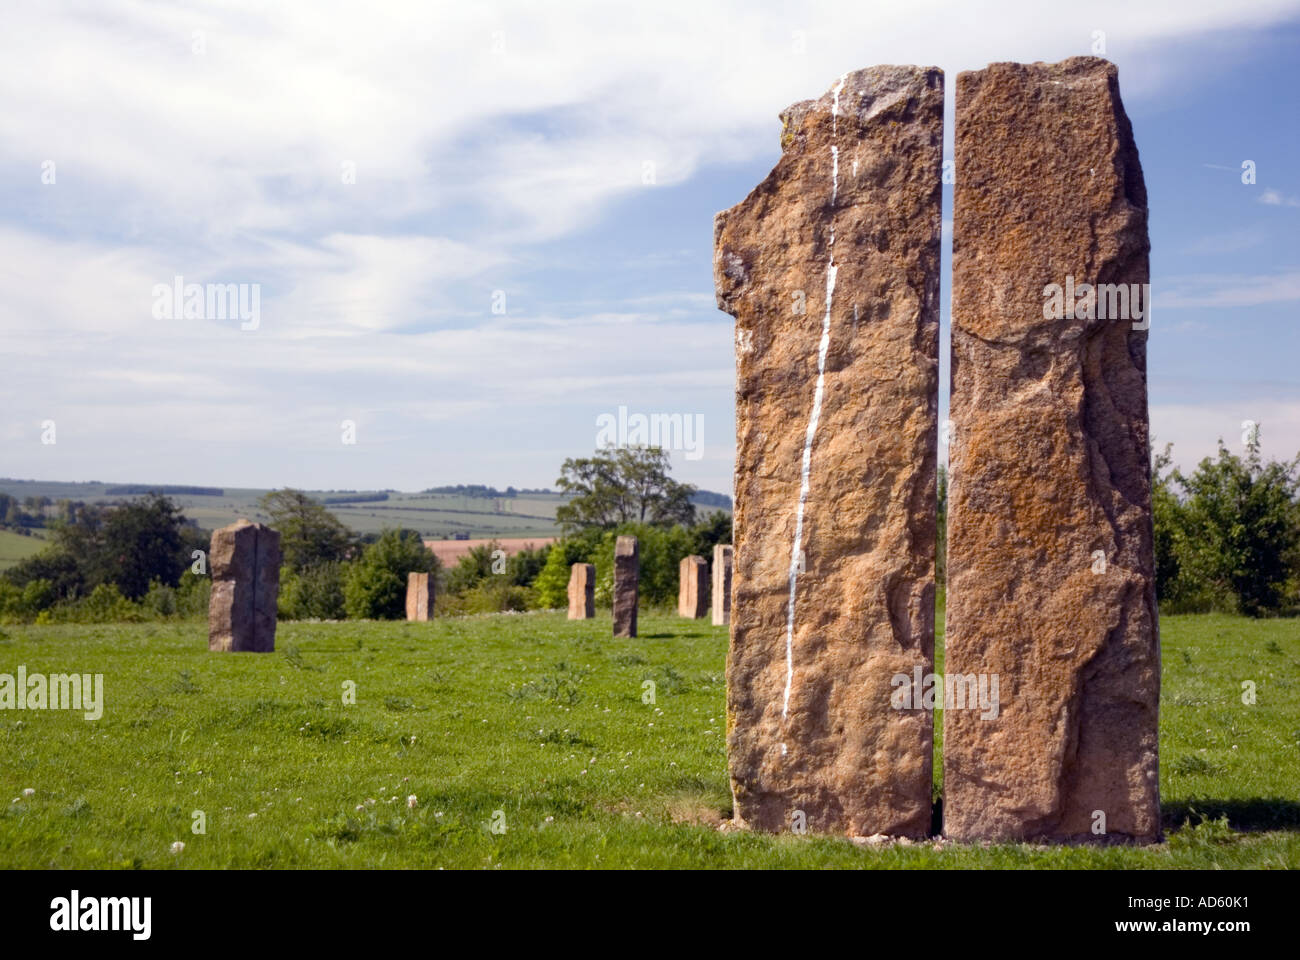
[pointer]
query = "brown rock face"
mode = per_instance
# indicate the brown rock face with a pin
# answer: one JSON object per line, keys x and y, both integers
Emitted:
{"x": 582, "y": 591}
{"x": 831, "y": 269}
{"x": 245, "y": 562}
{"x": 721, "y": 584}
{"x": 693, "y": 587}
{"x": 419, "y": 596}
{"x": 1050, "y": 566}
{"x": 627, "y": 572}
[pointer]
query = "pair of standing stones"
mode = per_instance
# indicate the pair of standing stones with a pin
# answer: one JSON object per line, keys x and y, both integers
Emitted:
{"x": 698, "y": 593}
{"x": 831, "y": 268}
{"x": 694, "y": 591}
{"x": 627, "y": 572}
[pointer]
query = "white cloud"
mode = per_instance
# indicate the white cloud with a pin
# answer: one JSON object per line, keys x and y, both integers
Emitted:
{"x": 1273, "y": 198}
{"x": 1226, "y": 290}
{"x": 1195, "y": 429}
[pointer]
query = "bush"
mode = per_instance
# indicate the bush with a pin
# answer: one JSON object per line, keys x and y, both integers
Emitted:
{"x": 314, "y": 594}
{"x": 160, "y": 601}
{"x": 192, "y": 596}
{"x": 491, "y": 596}
{"x": 22, "y": 604}
{"x": 375, "y": 584}
{"x": 106, "y": 604}
{"x": 1231, "y": 541}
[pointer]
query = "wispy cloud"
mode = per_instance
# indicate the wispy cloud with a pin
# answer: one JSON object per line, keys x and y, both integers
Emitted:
{"x": 1227, "y": 290}
{"x": 1275, "y": 199}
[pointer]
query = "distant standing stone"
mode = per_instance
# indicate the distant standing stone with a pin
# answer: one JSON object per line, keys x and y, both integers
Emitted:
{"x": 693, "y": 589}
{"x": 627, "y": 571}
{"x": 582, "y": 591}
{"x": 722, "y": 584}
{"x": 245, "y": 563}
{"x": 419, "y": 596}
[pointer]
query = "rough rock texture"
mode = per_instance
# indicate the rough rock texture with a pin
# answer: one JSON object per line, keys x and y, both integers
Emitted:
{"x": 1049, "y": 464}
{"x": 693, "y": 587}
{"x": 245, "y": 562}
{"x": 627, "y": 572}
{"x": 419, "y": 596}
{"x": 582, "y": 591}
{"x": 721, "y": 584}
{"x": 831, "y": 269}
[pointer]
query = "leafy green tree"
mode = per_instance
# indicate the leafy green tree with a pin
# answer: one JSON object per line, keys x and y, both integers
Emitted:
{"x": 375, "y": 583}
{"x": 127, "y": 545}
{"x": 1240, "y": 527}
{"x": 142, "y": 542}
{"x": 313, "y": 593}
{"x": 1167, "y": 512}
{"x": 552, "y": 583}
{"x": 472, "y": 569}
{"x": 714, "y": 529}
{"x": 309, "y": 533}
{"x": 524, "y": 566}
{"x": 627, "y": 485}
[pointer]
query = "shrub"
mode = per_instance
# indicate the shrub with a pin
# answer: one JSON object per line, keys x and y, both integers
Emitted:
{"x": 316, "y": 593}
{"x": 375, "y": 584}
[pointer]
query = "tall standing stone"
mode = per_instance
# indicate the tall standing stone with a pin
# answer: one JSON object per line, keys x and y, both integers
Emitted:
{"x": 1050, "y": 558}
{"x": 627, "y": 571}
{"x": 693, "y": 587}
{"x": 582, "y": 591}
{"x": 419, "y": 595}
{"x": 721, "y": 584}
{"x": 245, "y": 562}
{"x": 831, "y": 269}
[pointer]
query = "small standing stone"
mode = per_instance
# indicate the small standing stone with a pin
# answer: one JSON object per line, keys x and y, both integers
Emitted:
{"x": 582, "y": 591}
{"x": 627, "y": 570}
{"x": 245, "y": 563}
{"x": 419, "y": 596}
{"x": 722, "y": 584}
{"x": 693, "y": 589}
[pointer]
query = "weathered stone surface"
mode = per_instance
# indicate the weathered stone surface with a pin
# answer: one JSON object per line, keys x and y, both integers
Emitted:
{"x": 627, "y": 573}
{"x": 721, "y": 584}
{"x": 693, "y": 587}
{"x": 582, "y": 591}
{"x": 419, "y": 595}
{"x": 245, "y": 562}
{"x": 1050, "y": 564}
{"x": 831, "y": 268}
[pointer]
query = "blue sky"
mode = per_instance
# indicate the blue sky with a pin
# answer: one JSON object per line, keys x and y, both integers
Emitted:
{"x": 564, "y": 161}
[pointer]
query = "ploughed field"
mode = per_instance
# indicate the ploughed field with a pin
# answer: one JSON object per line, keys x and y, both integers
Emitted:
{"x": 527, "y": 741}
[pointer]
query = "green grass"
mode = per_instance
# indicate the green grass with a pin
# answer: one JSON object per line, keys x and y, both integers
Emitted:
{"x": 541, "y": 719}
{"x": 15, "y": 547}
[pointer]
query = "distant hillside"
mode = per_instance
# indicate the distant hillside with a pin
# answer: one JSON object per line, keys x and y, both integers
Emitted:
{"x": 473, "y": 511}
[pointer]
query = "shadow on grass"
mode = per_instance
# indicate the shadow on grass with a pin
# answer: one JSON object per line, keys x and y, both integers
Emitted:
{"x": 1271, "y": 813}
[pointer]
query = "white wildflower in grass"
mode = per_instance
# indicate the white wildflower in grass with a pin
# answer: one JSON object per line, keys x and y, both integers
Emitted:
{"x": 411, "y": 802}
{"x": 29, "y": 792}
{"x": 178, "y": 847}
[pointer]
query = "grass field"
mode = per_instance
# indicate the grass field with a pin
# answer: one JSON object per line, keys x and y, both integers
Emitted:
{"x": 15, "y": 546}
{"x": 536, "y": 722}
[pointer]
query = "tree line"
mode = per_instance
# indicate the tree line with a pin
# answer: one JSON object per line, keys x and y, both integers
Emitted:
{"x": 1227, "y": 538}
